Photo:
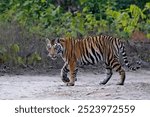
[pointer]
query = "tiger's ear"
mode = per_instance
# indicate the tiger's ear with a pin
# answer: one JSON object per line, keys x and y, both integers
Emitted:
{"x": 57, "y": 40}
{"x": 61, "y": 40}
{"x": 47, "y": 40}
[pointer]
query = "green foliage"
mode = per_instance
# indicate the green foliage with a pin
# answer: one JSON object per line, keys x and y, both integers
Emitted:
{"x": 58, "y": 18}
{"x": 11, "y": 55}
{"x": 76, "y": 18}
{"x": 15, "y": 48}
{"x": 3, "y": 53}
{"x": 34, "y": 58}
{"x": 14, "y": 58}
{"x": 128, "y": 20}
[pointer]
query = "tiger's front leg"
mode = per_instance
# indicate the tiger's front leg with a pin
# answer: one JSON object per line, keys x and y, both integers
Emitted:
{"x": 72, "y": 69}
{"x": 64, "y": 72}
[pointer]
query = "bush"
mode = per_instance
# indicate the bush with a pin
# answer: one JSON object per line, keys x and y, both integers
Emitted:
{"x": 78, "y": 18}
{"x": 24, "y": 24}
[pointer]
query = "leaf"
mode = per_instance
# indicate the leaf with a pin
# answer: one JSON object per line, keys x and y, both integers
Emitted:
{"x": 83, "y": 1}
{"x": 15, "y": 48}
{"x": 85, "y": 9}
{"x": 129, "y": 29}
{"x": 20, "y": 60}
{"x": 147, "y": 5}
{"x": 148, "y": 35}
{"x": 2, "y": 49}
{"x": 27, "y": 3}
{"x": 36, "y": 57}
{"x": 43, "y": 1}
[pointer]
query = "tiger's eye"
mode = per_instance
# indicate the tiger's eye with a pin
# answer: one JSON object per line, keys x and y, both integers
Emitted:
{"x": 55, "y": 46}
{"x": 49, "y": 47}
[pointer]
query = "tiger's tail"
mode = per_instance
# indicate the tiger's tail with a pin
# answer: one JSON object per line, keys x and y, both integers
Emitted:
{"x": 123, "y": 52}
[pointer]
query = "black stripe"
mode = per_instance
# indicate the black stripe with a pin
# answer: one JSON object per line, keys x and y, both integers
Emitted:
{"x": 115, "y": 65}
{"x": 85, "y": 59}
{"x": 118, "y": 69}
{"x": 124, "y": 54}
{"x": 65, "y": 69}
{"x": 90, "y": 56}
{"x": 94, "y": 53}
{"x": 125, "y": 61}
{"x": 99, "y": 56}
{"x": 85, "y": 55}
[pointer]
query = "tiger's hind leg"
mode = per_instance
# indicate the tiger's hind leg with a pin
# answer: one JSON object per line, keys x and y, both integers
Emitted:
{"x": 118, "y": 68}
{"x": 122, "y": 74}
{"x": 64, "y": 72}
{"x": 109, "y": 74}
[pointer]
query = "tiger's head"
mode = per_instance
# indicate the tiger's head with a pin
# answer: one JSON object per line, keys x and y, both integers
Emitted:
{"x": 54, "y": 48}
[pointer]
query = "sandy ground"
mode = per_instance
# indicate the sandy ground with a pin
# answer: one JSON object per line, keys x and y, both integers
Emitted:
{"x": 137, "y": 86}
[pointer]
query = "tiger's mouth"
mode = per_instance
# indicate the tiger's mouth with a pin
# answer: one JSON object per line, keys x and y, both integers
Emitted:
{"x": 54, "y": 58}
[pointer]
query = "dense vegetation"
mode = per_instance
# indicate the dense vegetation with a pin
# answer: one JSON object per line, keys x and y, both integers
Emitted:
{"x": 56, "y": 18}
{"x": 78, "y": 17}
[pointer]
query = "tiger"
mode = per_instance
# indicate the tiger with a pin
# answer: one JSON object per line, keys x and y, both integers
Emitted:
{"x": 90, "y": 50}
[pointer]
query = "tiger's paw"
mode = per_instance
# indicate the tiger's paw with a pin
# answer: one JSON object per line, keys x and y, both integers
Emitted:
{"x": 70, "y": 84}
{"x": 65, "y": 80}
{"x": 120, "y": 83}
{"x": 102, "y": 83}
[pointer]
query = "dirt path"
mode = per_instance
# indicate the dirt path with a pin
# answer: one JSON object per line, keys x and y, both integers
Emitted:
{"x": 137, "y": 86}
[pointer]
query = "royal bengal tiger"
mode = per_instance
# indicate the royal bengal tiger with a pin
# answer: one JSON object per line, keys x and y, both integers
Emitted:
{"x": 89, "y": 50}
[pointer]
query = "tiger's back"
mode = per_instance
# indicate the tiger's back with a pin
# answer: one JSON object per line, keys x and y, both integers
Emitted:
{"x": 90, "y": 50}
